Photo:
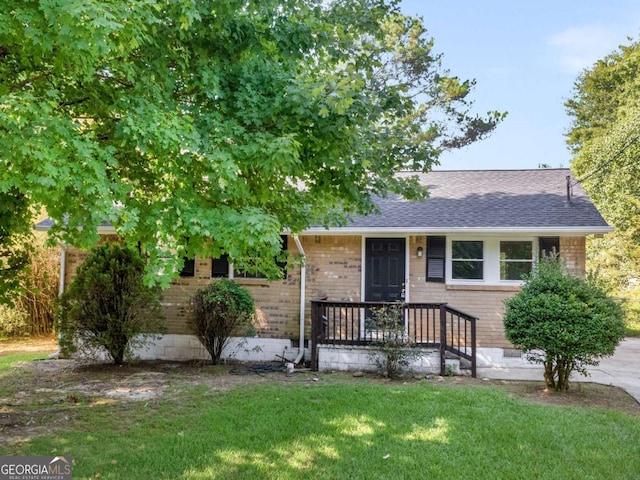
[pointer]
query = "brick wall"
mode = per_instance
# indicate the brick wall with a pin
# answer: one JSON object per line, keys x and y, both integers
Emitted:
{"x": 334, "y": 270}
{"x": 483, "y": 301}
{"x": 276, "y": 302}
{"x": 572, "y": 249}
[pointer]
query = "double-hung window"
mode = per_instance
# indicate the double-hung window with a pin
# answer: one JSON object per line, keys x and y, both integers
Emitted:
{"x": 222, "y": 268}
{"x": 490, "y": 260}
{"x": 467, "y": 259}
{"x": 516, "y": 259}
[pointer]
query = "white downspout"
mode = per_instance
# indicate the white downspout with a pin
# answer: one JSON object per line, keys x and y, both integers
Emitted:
{"x": 63, "y": 269}
{"x": 303, "y": 286}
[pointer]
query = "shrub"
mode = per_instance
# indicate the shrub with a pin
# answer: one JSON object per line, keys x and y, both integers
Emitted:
{"x": 219, "y": 310}
{"x": 108, "y": 306}
{"x": 13, "y": 322}
{"x": 32, "y": 306}
{"x": 563, "y": 322}
{"x": 393, "y": 350}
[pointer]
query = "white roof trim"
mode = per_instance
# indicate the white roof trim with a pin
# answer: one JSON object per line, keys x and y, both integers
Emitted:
{"x": 448, "y": 230}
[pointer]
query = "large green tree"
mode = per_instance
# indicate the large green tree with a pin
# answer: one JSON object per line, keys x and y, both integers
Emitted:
{"x": 14, "y": 241}
{"x": 605, "y": 137}
{"x": 185, "y": 121}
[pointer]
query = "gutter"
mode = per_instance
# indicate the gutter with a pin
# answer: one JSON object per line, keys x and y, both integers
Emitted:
{"x": 400, "y": 231}
{"x": 63, "y": 270}
{"x": 303, "y": 286}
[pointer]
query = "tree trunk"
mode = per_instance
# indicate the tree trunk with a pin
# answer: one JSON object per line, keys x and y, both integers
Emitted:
{"x": 549, "y": 374}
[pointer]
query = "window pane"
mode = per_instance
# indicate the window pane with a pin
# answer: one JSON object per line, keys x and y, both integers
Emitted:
{"x": 515, "y": 259}
{"x": 467, "y": 269}
{"x": 516, "y": 250}
{"x": 514, "y": 270}
{"x": 465, "y": 249}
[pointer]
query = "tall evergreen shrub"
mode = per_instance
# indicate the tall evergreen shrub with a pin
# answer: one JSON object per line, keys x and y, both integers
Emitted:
{"x": 108, "y": 306}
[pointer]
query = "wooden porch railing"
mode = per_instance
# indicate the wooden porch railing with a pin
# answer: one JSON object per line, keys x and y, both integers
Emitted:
{"x": 428, "y": 325}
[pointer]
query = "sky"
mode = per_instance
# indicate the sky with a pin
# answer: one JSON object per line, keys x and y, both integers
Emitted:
{"x": 525, "y": 57}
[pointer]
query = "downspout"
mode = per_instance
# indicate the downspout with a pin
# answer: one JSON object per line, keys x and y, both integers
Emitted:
{"x": 303, "y": 286}
{"x": 63, "y": 269}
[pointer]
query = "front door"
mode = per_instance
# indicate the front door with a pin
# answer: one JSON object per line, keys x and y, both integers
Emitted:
{"x": 384, "y": 270}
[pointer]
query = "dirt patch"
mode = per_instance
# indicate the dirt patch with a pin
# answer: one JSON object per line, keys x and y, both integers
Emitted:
{"x": 580, "y": 394}
{"x": 46, "y": 344}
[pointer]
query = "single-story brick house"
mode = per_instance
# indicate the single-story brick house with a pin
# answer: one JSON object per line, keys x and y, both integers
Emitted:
{"x": 465, "y": 246}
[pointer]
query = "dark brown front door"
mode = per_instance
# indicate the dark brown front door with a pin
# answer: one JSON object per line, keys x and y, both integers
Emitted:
{"x": 384, "y": 269}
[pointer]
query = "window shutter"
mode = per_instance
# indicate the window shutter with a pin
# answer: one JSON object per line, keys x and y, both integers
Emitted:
{"x": 283, "y": 263}
{"x": 189, "y": 268}
{"x": 548, "y": 245}
{"x": 220, "y": 267}
{"x": 436, "y": 253}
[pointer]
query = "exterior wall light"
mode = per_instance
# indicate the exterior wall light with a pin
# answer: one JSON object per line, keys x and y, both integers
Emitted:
{"x": 419, "y": 252}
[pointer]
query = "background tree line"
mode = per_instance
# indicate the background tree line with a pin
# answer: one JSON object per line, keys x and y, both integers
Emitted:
{"x": 605, "y": 139}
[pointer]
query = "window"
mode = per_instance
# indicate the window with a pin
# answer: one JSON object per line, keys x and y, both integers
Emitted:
{"x": 436, "y": 250}
{"x": 221, "y": 267}
{"x": 516, "y": 259}
{"x": 547, "y": 246}
{"x": 489, "y": 259}
{"x": 189, "y": 268}
{"x": 467, "y": 259}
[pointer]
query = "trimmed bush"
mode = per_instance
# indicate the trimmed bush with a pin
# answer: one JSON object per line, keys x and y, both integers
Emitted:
{"x": 563, "y": 322}
{"x": 219, "y": 310}
{"x": 109, "y": 306}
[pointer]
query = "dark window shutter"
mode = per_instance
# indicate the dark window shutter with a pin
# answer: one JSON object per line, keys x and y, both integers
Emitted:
{"x": 189, "y": 268}
{"x": 436, "y": 254}
{"x": 220, "y": 267}
{"x": 548, "y": 245}
{"x": 283, "y": 263}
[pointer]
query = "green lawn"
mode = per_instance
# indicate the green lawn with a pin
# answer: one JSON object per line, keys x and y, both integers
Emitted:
{"x": 8, "y": 361}
{"x": 345, "y": 430}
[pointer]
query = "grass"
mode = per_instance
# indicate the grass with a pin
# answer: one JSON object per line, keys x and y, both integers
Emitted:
{"x": 633, "y": 327}
{"x": 8, "y": 361}
{"x": 344, "y": 430}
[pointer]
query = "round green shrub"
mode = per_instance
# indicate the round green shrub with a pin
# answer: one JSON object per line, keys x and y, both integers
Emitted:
{"x": 563, "y": 322}
{"x": 219, "y": 310}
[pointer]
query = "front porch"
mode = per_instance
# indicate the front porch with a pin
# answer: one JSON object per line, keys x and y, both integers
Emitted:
{"x": 426, "y": 325}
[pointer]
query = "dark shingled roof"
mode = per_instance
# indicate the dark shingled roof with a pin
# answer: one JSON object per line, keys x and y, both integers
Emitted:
{"x": 482, "y": 200}
{"x": 489, "y": 199}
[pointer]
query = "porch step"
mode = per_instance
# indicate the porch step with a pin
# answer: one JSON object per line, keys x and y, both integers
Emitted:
{"x": 455, "y": 365}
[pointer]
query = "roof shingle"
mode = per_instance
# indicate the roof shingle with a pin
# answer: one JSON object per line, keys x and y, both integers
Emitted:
{"x": 485, "y": 199}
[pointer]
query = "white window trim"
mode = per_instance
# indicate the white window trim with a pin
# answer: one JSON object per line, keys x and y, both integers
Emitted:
{"x": 491, "y": 259}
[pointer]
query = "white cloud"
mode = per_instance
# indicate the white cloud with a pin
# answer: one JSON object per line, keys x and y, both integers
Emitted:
{"x": 578, "y": 48}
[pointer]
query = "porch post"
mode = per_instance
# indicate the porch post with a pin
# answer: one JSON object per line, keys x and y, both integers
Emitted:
{"x": 443, "y": 337}
{"x": 473, "y": 348}
{"x": 316, "y": 326}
